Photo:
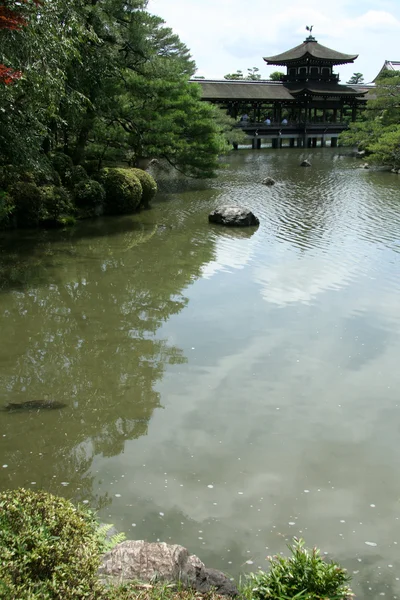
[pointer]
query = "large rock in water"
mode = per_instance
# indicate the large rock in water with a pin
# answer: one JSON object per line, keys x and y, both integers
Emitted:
{"x": 233, "y": 216}
{"x": 305, "y": 163}
{"x": 145, "y": 561}
{"x": 268, "y": 181}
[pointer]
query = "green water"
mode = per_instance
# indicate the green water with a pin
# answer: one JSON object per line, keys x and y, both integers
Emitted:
{"x": 224, "y": 390}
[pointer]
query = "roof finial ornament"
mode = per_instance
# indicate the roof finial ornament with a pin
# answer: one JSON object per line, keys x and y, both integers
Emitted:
{"x": 310, "y": 38}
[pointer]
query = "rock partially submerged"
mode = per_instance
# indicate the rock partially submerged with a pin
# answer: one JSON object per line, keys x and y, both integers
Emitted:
{"x": 34, "y": 405}
{"x": 269, "y": 181}
{"x": 144, "y": 561}
{"x": 305, "y": 163}
{"x": 233, "y": 216}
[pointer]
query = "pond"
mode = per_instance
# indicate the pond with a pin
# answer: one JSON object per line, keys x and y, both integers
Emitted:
{"x": 223, "y": 389}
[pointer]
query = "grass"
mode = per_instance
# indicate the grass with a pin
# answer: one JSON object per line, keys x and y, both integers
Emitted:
{"x": 156, "y": 591}
{"x": 305, "y": 575}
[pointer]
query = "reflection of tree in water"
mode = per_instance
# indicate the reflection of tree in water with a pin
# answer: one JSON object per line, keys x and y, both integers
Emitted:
{"x": 82, "y": 327}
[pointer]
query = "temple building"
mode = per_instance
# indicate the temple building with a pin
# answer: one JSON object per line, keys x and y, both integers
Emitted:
{"x": 309, "y": 100}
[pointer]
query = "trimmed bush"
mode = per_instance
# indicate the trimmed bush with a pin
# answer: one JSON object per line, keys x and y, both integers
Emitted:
{"x": 57, "y": 208}
{"x": 62, "y": 163}
{"x": 123, "y": 190}
{"x": 47, "y": 176}
{"x": 49, "y": 549}
{"x": 149, "y": 186}
{"x": 75, "y": 175}
{"x": 89, "y": 193}
{"x": 303, "y": 575}
{"x": 27, "y": 199}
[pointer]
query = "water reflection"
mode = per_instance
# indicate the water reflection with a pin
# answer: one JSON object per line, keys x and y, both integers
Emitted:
{"x": 80, "y": 311}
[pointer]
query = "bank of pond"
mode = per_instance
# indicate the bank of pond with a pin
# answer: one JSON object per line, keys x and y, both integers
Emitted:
{"x": 59, "y": 192}
{"x": 51, "y": 549}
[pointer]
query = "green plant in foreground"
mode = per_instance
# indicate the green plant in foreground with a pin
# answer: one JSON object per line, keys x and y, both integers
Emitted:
{"x": 303, "y": 576}
{"x": 49, "y": 549}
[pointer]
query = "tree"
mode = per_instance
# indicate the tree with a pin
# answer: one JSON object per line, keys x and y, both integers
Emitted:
{"x": 237, "y": 75}
{"x": 276, "y": 76}
{"x": 252, "y": 74}
{"x": 378, "y": 130}
{"x": 104, "y": 79}
{"x": 356, "y": 78}
{"x": 12, "y": 19}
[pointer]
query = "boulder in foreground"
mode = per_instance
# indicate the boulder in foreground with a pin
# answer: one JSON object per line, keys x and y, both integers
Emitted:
{"x": 144, "y": 561}
{"x": 233, "y": 216}
{"x": 305, "y": 163}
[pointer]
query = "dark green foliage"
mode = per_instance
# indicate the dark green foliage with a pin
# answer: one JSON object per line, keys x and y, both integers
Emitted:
{"x": 91, "y": 166}
{"x": 123, "y": 190}
{"x": 89, "y": 193}
{"x": 276, "y": 76}
{"x": 47, "y": 176}
{"x": 305, "y": 576}
{"x": 149, "y": 186}
{"x": 27, "y": 199}
{"x": 378, "y": 130}
{"x": 63, "y": 164}
{"x": 75, "y": 175}
{"x": 57, "y": 208}
{"x": 6, "y": 209}
{"x": 48, "y": 548}
{"x": 356, "y": 78}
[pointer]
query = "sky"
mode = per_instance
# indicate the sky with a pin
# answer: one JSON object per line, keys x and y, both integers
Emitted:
{"x": 226, "y": 35}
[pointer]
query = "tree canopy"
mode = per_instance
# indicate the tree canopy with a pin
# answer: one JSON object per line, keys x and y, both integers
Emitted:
{"x": 104, "y": 80}
{"x": 377, "y": 131}
{"x": 277, "y": 76}
{"x": 253, "y": 73}
{"x": 356, "y": 78}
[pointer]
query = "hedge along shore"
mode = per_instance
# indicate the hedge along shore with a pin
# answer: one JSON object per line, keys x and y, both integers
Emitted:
{"x": 60, "y": 193}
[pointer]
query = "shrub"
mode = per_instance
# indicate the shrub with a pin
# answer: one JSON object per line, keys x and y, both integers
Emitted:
{"x": 304, "y": 575}
{"x": 123, "y": 190}
{"x": 91, "y": 166}
{"x": 49, "y": 549}
{"x": 148, "y": 184}
{"x": 89, "y": 193}
{"x": 6, "y": 208}
{"x": 47, "y": 176}
{"x": 9, "y": 176}
{"x": 62, "y": 163}
{"x": 27, "y": 199}
{"x": 75, "y": 175}
{"x": 57, "y": 208}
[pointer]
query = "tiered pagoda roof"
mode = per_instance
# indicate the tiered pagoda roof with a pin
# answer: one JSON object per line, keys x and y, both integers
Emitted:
{"x": 310, "y": 51}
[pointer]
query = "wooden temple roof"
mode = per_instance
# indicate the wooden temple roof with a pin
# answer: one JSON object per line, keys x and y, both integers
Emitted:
{"x": 319, "y": 88}
{"x": 243, "y": 90}
{"x": 272, "y": 90}
{"x": 312, "y": 50}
